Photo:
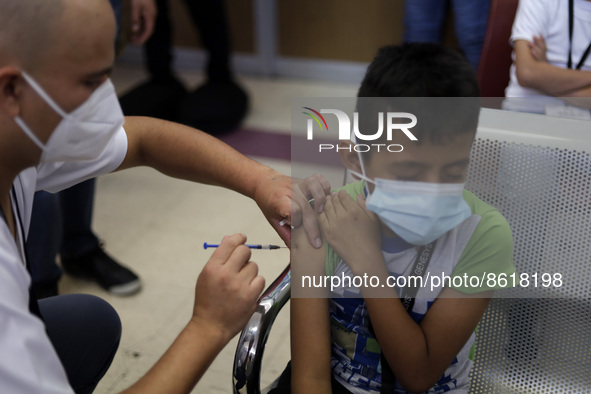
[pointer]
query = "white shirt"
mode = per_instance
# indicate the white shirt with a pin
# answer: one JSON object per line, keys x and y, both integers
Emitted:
{"x": 28, "y": 361}
{"x": 549, "y": 18}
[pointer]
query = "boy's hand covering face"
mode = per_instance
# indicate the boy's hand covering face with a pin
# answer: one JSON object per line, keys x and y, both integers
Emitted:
{"x": 351, "y": 230}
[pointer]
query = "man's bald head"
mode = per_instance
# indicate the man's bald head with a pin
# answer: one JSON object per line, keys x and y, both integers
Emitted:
{"x": 32, "y": 29}
{"x": 28, "y": 28}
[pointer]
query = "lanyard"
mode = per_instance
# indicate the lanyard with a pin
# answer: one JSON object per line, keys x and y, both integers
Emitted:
{"x": 419, "y": 269}
{"x": 571, "y": 15}
{"x": 33, "y": 305}
{"x": 18, "y": 224}
{"x": 408, "y": 300}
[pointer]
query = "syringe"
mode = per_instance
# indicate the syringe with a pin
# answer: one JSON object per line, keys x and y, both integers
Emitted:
{"x": 268, "y": 247}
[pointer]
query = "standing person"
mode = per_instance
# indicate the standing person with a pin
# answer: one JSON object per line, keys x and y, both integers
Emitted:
{"x": 551, "y": 65}
{"x": 424, "y": 21}
{"x": 61, "y": 123}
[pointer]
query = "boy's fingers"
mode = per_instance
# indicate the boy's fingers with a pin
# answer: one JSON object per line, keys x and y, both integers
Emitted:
{"x": 348, "y": 203}
{"x": 361, "y": 201}
{"x": 329, "y": 208}
{"x": 323, "y": 220}
{"x": 340, "y": 201}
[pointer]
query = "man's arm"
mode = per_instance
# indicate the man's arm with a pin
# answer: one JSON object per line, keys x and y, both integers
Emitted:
{"x": 183, "y": 152}
{"x": 548, "y": 79}
{"x": 225, "y": 298}
{"x": 310, "y": 328}
{"x": 187, "y": 153}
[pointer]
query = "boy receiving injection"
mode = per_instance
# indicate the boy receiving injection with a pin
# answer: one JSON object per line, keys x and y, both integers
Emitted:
{"x": 409, "y": 215}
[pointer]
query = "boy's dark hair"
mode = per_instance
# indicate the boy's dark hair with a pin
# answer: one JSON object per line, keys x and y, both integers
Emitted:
{"x": 419, "y": 70}
{"x": 430, "y": 73}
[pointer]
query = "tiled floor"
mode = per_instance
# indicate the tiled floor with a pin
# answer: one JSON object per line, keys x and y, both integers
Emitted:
{"x": 157, "y": 226}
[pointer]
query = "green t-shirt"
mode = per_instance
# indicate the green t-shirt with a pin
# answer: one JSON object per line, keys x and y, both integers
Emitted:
{"x": 484, "y": 238}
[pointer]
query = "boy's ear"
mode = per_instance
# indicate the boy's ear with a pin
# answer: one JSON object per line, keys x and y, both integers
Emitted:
{"x": 349, "y": 157}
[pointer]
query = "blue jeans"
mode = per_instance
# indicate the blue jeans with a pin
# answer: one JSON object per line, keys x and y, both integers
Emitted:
{"x": 424, "y": 19}
{"x": 116, "y": 4}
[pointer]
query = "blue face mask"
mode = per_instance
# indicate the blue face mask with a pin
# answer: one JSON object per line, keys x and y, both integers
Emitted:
{"x": 418, "y": 212}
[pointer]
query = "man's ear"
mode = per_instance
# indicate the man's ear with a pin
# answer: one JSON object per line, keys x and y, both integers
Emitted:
{"x": 349, "y": 157}
{"x": 10, "y": 91}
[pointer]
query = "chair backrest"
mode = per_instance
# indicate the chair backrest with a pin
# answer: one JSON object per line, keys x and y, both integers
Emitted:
{"x": 537, "y": 171}
{"x": 495, "y": 59}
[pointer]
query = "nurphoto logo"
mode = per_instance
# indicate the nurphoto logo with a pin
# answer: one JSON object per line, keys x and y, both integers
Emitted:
{"x": 392, "y": 120}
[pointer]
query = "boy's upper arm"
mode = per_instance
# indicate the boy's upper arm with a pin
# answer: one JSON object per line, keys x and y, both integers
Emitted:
{"x": 306, "y": 261}
{"x": 310, "y": 327}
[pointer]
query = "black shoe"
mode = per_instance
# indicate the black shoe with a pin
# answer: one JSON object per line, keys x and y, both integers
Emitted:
{"x": 158, "y": 98}
{"x": 102, "y": 269}
{"x": 214, "y": 107}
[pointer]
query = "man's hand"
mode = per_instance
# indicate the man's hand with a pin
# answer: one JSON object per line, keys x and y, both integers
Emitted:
{"x": 143, "y": 18}
{"x": 225, "y": 298}
{"x": 303, "y": 191}
{"x": 273, "y": 196}
{"x": 227, "y": 289}
{"x": 352, "y": 231}
{"x": 538, "y": 48}
{"x": 285, "y": 200}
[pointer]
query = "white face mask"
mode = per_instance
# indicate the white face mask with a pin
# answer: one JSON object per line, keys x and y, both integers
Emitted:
{"x": 84, "y": 133}
{"x": 418, "y": 212}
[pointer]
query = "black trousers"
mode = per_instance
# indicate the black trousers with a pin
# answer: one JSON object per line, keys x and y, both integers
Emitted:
{"x": 85, "y": 332}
